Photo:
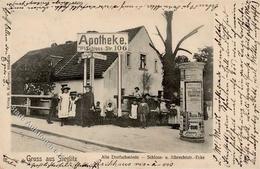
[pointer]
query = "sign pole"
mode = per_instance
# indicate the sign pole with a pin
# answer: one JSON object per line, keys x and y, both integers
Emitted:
{"x": 85, "y": 74}
{"x": 119, "y": 85}
{"x": 92, "y": 70}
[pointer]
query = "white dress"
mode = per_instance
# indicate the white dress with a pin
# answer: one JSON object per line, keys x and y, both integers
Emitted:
{"x": 64, "y": 105}
{"x": 133, "y": 111}
{"x": 72, "y": 108}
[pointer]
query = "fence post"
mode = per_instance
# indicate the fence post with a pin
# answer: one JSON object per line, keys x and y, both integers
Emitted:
{"x": 28, "y": 104}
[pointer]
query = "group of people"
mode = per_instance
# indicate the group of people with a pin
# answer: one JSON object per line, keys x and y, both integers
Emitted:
{"x": 79, "y": 108}
{"x": 146, "y": 109}
{"x": 82, "y": 110}
{"x": 71, "y": 105}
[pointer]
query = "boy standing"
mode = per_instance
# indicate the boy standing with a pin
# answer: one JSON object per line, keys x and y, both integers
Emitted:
{"x": 98, "y": 118}
{"x": 143, "y": 110}
{"x": 110, "y": 112}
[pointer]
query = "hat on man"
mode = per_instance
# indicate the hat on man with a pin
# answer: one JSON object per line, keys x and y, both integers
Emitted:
{"x": 87, "y": 86}
{"x": 147, "y": 94}
{"x": 65, "y": 86}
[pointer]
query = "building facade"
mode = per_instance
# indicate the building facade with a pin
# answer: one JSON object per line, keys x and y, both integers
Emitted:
{"x": 140, "y": 59}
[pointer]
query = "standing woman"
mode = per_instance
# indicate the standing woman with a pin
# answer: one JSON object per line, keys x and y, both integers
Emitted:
{"x": 64, "y": 100}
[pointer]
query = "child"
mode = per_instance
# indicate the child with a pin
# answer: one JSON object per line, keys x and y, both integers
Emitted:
{"x": 78, "y": 103}
{"x": 133, "y": 115}
{"x": 98, "y": 117}
{"x": 109, "y": 112}
{"x": 143, "y": 110}
{"x": 64, "y": 99}
{"x": 172, "y": 119}
{"x": 72, "y": 104}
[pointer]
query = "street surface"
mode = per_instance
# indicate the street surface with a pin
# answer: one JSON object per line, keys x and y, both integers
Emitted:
{"x": 23, "y": 140}
{"x": 105, "y": 138}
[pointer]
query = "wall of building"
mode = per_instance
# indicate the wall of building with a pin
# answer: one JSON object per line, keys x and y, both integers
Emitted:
{"x": 106, "y": 88}
{"x": 132, "y": 75}
{"x": 77, "y": 85}
{"x": 111, "y": 83}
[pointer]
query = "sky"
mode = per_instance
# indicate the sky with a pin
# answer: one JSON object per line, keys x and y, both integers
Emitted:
{"x": 38, "y": 30}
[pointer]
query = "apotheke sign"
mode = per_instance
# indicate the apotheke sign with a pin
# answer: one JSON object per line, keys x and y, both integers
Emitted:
{"x": 102, "y": 42}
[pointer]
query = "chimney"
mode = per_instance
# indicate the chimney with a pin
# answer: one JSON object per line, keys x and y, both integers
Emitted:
{"x": 54, "y": 45}
{"x": 68, "y": 42}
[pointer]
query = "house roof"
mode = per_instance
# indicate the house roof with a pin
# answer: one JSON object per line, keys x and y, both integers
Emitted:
{"x": 132, "y": 32}
{"x": 66, "y": 58}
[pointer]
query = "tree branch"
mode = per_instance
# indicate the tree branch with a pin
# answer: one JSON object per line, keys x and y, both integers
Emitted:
{"x": 186, "y": 37}
{"x": 163, "y": 15}
{"x": 184, "y": 50}
{"x": 160, "y": 35}
{"x": 156, "y": 50}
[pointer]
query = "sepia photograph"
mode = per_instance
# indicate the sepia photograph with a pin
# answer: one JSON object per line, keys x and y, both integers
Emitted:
{"x": 129, "y": 84}
{"x": 128, "y": 81}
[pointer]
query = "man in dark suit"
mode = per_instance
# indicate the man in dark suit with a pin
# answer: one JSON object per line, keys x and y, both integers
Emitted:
{"x": 87, "y": 107}
{"x": 53, "y": 108}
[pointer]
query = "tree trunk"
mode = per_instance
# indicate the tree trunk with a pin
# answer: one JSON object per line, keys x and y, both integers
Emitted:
{"x": 168, "y": 60}
{"x": 171, "y": 74}
{"x": 171, "y": 77}
{"x": 168, "y": 41}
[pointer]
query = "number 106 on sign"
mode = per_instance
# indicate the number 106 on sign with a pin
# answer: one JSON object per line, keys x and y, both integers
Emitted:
{"x": 117, "y": 48}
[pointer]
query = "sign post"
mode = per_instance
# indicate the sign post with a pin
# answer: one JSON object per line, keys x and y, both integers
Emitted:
{"x": 91, "y": 43}
{"x": 92, "y": 71}
{"x": 85, "y": 73}
{"x": 119, "y": 91}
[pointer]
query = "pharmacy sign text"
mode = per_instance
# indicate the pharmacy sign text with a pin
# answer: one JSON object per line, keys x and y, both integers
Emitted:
{"x": 102, "y": 42}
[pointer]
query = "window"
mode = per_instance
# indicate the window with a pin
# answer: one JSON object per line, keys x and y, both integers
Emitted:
{"x": 155, "y": 66}
{"x": 128, "y": 61}
{"x": 142, "y": 61}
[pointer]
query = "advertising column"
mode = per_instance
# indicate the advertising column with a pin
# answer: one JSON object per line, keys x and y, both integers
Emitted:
{"x": 191, "y": 102}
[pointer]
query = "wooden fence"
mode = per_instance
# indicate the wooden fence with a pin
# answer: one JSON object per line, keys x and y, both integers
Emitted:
{"x": 28, "y": 105}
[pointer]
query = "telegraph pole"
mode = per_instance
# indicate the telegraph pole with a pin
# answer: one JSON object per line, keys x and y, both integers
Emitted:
{"x": 119, "y": 89}
{"x": 92, "y": 70}
{"x": 85, "y": 73}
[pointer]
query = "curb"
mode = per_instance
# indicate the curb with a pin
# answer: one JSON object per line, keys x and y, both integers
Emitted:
{"x": 112, "y": 147}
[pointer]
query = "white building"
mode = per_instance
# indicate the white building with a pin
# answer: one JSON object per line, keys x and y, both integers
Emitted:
{"x": 68, "y": 67}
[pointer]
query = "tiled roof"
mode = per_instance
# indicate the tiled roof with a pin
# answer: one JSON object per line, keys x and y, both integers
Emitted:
{"x": 74, "y": 69}
{"x": 69, "y": 67}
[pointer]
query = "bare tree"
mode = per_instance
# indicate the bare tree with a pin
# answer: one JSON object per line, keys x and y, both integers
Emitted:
{"x": 170, "y": 73}
{"x": 146, "y": 81}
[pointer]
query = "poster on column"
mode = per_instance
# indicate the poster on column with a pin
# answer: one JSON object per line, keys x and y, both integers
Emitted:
{"x": 140, "y": 48}
{"x": 193, "y": 97}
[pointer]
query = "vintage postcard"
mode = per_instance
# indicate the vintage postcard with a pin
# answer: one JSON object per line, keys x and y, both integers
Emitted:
{"x": 129, "y": 84}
